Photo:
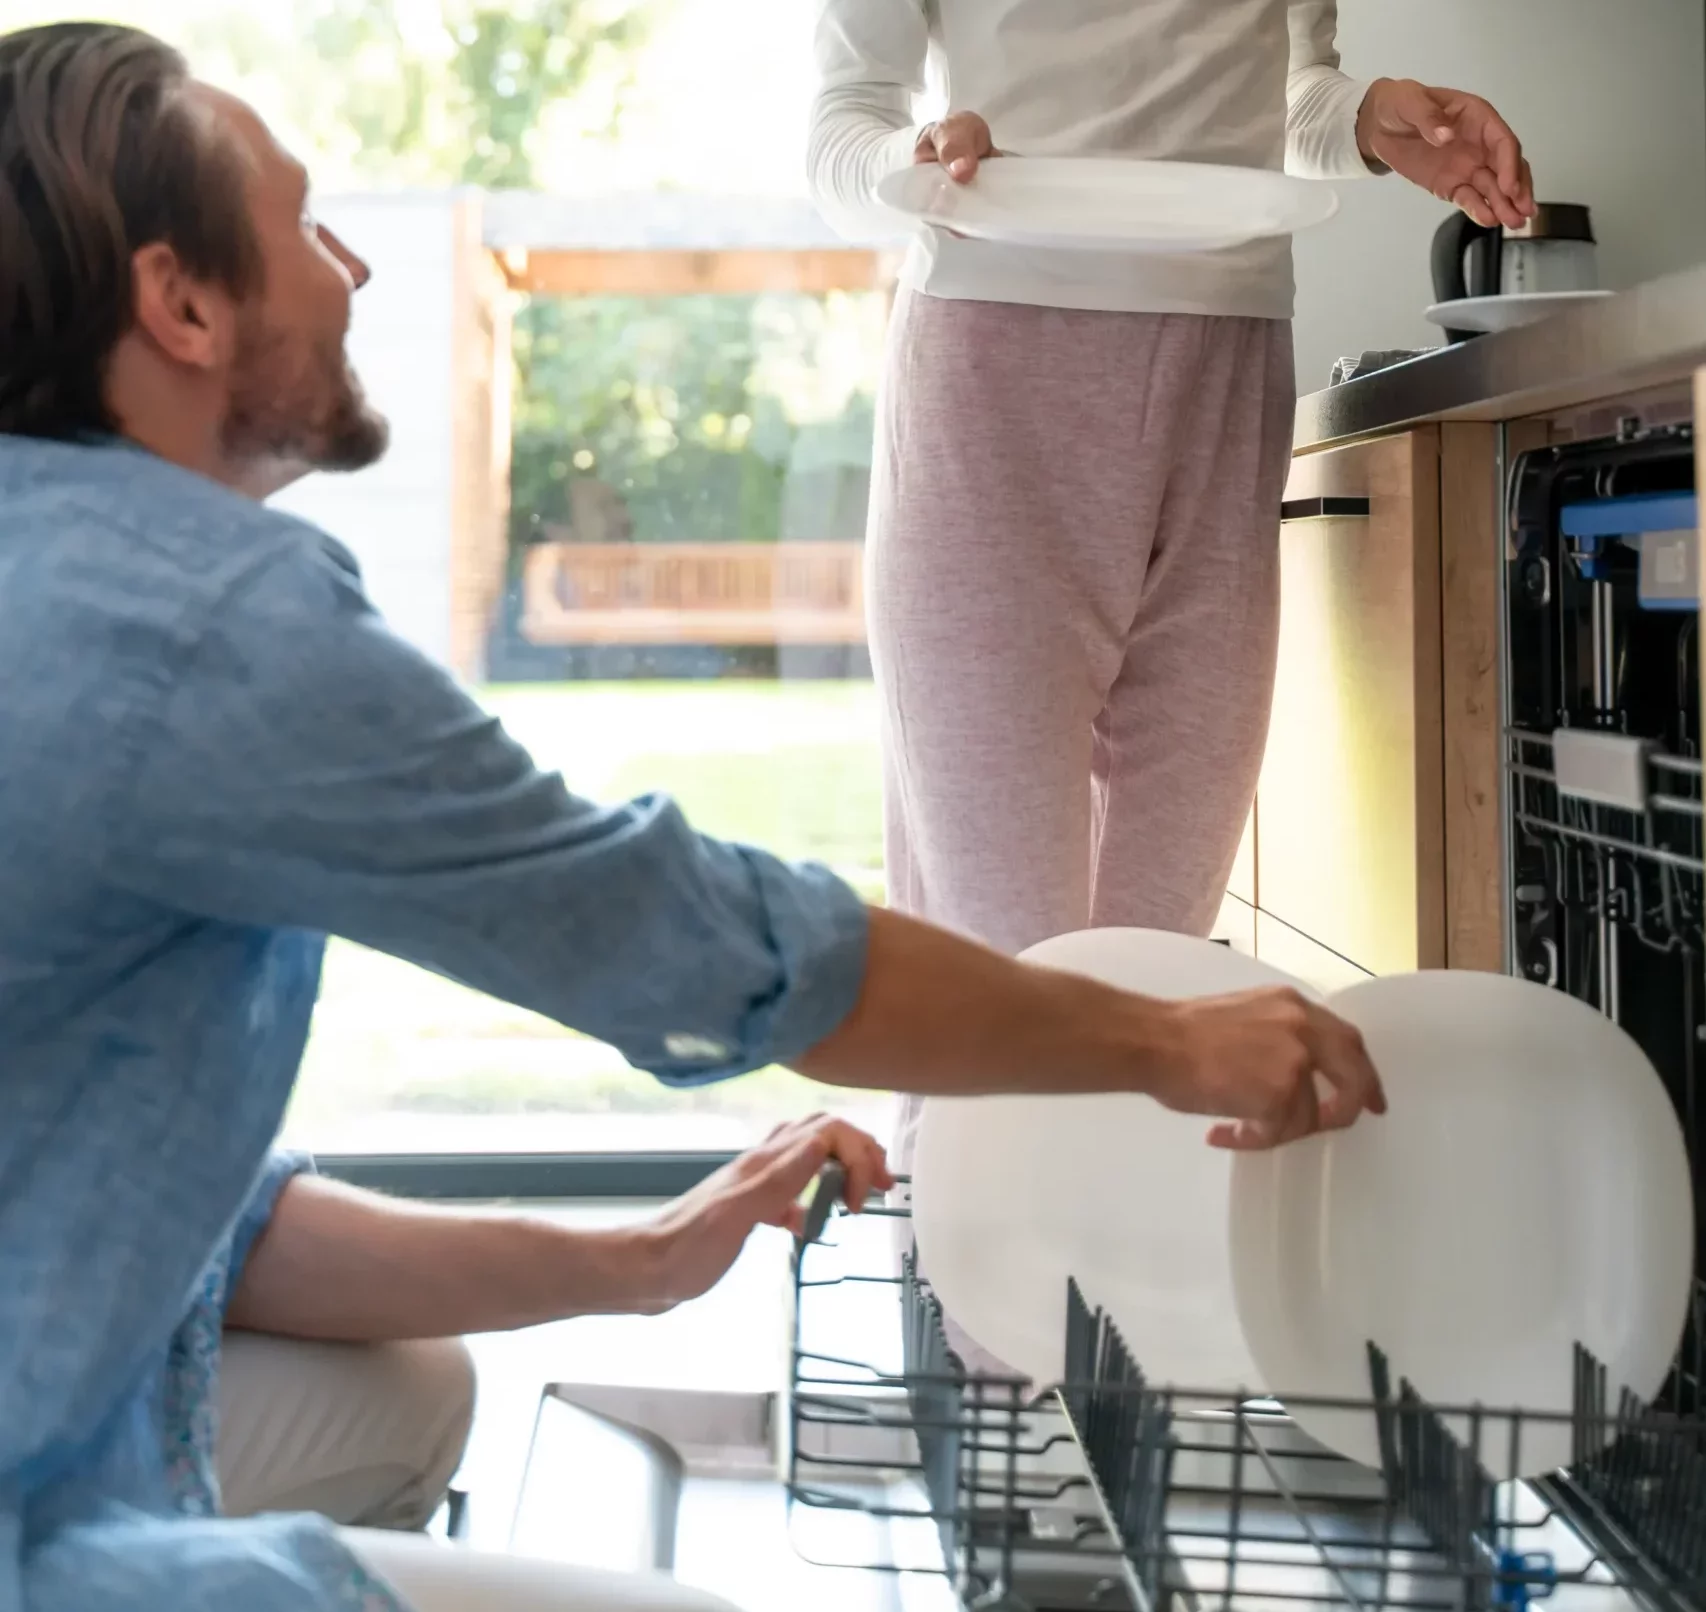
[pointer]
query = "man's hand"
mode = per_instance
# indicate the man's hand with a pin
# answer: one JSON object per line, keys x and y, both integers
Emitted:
{"x": 1454, "y": 145}
{"x": 700, "y": 1235}
{"x": 959, "y": 142}
{"x": 1259, "y": 1062}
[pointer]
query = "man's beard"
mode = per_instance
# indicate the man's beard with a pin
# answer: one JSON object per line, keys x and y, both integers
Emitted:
{"x": 296, "y": 403}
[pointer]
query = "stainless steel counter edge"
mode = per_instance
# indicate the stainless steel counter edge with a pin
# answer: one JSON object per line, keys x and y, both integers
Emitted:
{"x": 1651, "y": 335}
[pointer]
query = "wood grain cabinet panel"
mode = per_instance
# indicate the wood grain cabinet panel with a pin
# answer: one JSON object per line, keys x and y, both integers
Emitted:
{"x": 1349, "y": 818}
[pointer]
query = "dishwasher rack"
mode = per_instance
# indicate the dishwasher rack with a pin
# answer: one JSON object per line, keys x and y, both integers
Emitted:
{"x": 1609, "y": 901}
{"x": 1107, "y": 1492}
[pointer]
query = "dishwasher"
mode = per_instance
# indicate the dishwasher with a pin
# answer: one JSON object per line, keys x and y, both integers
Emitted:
{"x": 1109, "y": 1492}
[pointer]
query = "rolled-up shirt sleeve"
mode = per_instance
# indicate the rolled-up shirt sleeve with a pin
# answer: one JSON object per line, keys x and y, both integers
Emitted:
{"x": 308, "y": 769}
{"x": 282, "y": 1166}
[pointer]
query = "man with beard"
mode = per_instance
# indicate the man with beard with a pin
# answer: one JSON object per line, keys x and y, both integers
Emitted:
{"x": 212, "y": 755}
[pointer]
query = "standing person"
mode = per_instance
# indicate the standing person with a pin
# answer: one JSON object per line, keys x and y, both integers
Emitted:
{"x": 214, "y": 755}
{"x": 1073, "y": 545}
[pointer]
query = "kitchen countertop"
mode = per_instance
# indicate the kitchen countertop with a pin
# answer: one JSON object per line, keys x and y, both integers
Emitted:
{"x": 1646, "y": 337}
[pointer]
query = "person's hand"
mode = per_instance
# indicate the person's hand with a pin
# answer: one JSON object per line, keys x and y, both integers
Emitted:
{"x": 959, "y": 142}
{"x": 1272, "y": 1066}
{"x": 699, "y": 1236}
{"x": 1454, "y": 145}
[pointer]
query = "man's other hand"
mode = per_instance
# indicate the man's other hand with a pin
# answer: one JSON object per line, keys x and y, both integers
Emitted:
{"x": 700, "y": 1235}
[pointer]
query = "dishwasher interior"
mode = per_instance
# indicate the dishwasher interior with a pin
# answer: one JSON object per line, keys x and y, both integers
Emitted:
{"x": 1107, "y": 1492}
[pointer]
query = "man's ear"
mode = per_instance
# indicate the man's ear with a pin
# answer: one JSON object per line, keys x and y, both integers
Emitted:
{"x": 188, "y": 320}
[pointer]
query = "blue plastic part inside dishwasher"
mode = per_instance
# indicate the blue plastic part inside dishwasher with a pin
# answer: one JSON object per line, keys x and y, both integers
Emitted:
{"x": 1591, "y": 526}
{"x": 1524, "y": 1576}
{"x": 1630, "y": 517}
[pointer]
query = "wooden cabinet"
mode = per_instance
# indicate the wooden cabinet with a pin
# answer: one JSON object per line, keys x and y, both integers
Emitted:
{"x": 1349, "y": 817}
{"x": 1300, "y": 957}
{"x": 1379, "y": 823}
{"x": 1472, "y": 545}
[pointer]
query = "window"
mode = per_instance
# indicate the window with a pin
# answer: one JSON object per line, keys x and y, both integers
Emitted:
{"x": 630, "y": 377}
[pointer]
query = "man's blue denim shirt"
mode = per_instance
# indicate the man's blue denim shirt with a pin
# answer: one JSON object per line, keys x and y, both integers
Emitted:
{"x": 212, "y": 755}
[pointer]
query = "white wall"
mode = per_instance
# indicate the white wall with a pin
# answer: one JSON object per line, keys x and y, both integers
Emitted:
{"x": 396, "y": 516}
{"x": 1610, "y": 99}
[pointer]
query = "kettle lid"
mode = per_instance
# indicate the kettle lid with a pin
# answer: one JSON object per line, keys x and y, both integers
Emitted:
{"x": 1554, "y": 221}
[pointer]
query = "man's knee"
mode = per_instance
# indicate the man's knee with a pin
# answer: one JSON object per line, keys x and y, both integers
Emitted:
{"x": 363, "y": 1433}
{"x": 441, "y": 1394}
{"x": 451, "y": 1385}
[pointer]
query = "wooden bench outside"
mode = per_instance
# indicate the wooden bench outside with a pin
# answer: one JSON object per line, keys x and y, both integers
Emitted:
{"x": 694, "y": 593}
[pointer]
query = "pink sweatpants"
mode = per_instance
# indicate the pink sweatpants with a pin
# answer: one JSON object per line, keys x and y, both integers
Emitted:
{"x": 1074, "y": 612}
{"x": 1074, "y": 608}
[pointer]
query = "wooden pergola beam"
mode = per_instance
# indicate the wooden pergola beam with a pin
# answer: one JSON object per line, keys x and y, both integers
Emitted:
{"x": 669, "y": 273}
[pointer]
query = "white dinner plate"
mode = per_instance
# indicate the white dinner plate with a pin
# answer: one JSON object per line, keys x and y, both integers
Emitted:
{"x": 1528, "y": 1190}
{"x": 1488, "y": 315}
{"x": 1011, "y": 1196}
{"x": 1110, "y": 204}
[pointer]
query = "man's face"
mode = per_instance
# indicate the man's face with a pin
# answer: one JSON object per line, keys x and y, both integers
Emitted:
{"x": 292, "y": 396}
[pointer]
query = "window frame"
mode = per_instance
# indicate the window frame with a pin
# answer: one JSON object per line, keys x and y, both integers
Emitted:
{"x": 524, "y": 1177}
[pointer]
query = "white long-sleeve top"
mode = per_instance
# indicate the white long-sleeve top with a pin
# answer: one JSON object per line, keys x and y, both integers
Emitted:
{"x": 1253, "y": 83}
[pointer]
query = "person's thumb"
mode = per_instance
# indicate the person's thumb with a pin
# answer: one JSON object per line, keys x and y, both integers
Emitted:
{"x": 961, "y": 142}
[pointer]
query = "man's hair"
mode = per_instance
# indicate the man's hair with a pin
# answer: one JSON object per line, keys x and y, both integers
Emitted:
{"x": 101, "y": 154}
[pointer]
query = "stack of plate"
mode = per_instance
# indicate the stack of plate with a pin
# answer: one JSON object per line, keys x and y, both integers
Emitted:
{"x": 1528, "y": 1191}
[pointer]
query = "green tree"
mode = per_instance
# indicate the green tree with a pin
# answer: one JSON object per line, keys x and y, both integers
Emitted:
{"x": 400, "y": 93}
{"x": 655, "y": 398}
{"x": 665, "y": 401}
{"x": 683, "y": 407}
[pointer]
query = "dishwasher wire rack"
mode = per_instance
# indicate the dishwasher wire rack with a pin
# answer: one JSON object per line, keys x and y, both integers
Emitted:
{"x": 1609, "y": 906}
{"x": 1106, "y": 1491}
{"x": 1641, "y": 870}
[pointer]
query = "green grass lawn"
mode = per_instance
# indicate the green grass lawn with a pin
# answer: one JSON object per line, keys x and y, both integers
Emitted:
{"x": 789, "y": 766}
{"x": 817, "y": 802}
{"x": 399, "y": 1053}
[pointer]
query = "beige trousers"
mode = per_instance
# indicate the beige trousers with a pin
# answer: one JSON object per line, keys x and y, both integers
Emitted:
{"x": 367, "y": 1434}
{"x": 370, "y": 1436}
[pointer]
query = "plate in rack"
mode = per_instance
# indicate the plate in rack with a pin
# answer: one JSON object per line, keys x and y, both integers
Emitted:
{"x": 1528, "y": 1190}
{"x": 1011, "y": 1196}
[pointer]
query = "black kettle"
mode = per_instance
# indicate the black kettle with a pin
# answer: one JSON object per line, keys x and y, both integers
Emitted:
{"x": 1465, "y": 263}
{"x": 1551, "y": 252}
